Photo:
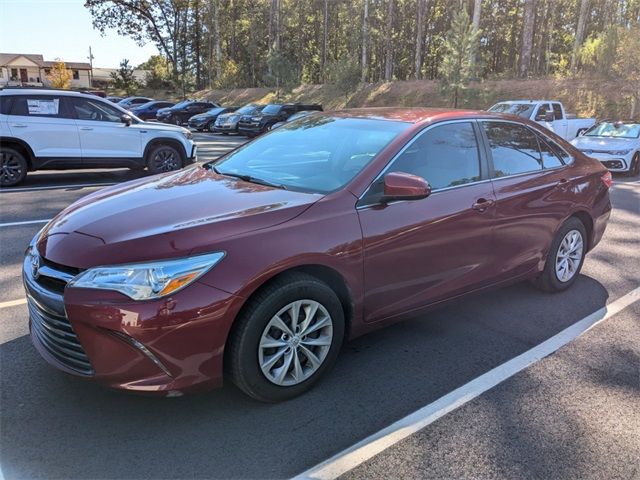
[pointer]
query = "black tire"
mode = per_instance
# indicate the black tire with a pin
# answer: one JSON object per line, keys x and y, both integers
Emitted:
{"x": 225, "y": 133}
{"x": 211, "y": 127}
{"x": 163, "y": 158}
{"x": 241, "y": 356}
{"x": 177, "y": 121}
{"x": 13, "y": 167}
{"x": 548, "y": 280}
{"x": 635, "y": 165}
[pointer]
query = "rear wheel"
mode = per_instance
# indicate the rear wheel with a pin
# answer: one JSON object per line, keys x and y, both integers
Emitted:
{"x": 211, "y": 127}
{"x": 163, "y": 158}
{"x": 565, "y": 257}
{"x": 286, "y": 338}
{"x": 13, "y": 167}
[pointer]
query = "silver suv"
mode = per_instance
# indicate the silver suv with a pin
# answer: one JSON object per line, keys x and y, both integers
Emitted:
{"x": 57, "y": 129}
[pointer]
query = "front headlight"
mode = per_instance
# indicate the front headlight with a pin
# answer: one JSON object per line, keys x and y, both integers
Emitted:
{"x": 146, "y": 281}
{"x": 618, "y": 152}
{"x": 188, "y": 135}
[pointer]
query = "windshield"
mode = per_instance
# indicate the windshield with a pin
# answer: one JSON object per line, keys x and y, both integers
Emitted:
{"x": 248, "y": 109}
{"x": 618, "y": 130}
{"x": 215, "y": 110}
{"x": 317, "y": 153}
{"x": 182, "y": 103}
{"x": 520, "y": 109}
{"x": 270, "y": 109}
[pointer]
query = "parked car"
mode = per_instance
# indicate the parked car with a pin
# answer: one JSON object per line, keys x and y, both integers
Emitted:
{"x": 114, "y": 99}
{"x": 149, "y": 110}
{"x": 56, "y": 130}
{"x": 255, "y": 124}
{"x": 207, "y": 120}
{"x": 261, "y": 263}
{"x": 182, "y": 112}
{"x": 615, "y": 144}
{"x": 228, "y": 122}
{"x": 130, "y": 102}
{"x": 548, "y": 113}
{"x": 293, "y": 117}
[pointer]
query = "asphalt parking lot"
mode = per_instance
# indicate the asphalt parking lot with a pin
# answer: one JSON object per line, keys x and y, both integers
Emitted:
{"x": 574, "y": 414}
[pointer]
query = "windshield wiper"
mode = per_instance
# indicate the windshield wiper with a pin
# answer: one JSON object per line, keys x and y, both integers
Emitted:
{"x": 249, "y": 178}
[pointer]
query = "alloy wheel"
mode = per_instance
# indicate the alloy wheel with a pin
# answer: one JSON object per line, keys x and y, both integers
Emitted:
{"x": 165, "y": 159}
{"x": 295, "y": 342}
{"x": 10, "y": 168}
{"x": 569, "y": 255}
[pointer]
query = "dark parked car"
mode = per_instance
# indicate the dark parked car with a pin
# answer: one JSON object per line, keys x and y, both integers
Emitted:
{"x": 228, "y": 122}
{"x": 255, "y": 124}
{"x": 207, "y": 120}
{"x": 149, "y": 110}
{"x": 183, "y": 111}
{"x": 130, "y": 102}
{"x": 114, "y": 99}
{"x": 261, "y": 264}
{"x": 293, "y": 117}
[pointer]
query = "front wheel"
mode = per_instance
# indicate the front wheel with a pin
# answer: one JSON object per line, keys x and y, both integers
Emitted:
{"x": 565, "y": 257}
{"x": 163, "y": 158}
{"x": 13, "y": 167}
{"x": 211, "y": 127}
{"x": 286, "y": 338}
{"x": 634, "y": 169}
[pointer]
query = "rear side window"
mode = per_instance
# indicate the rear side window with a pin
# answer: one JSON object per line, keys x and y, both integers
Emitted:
{"x": 549, "y": 157}
{"x": 514, "y": 148}
{"x": 557, "y": 111}
{"x": 37, "y": 106}
{"x": 5, "y": 105}
{"x": 445, "y": 156}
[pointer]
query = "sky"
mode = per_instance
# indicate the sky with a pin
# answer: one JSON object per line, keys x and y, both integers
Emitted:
{"x": 63, "y": 29}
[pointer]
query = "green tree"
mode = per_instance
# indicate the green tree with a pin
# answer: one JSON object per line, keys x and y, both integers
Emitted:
{"x": 598, "y": 52}
{"x": 59, "y": 76}
{"x": 123, "y": 78}
{"x": 627, "y": 64}
{"x": 282, "y": 74}
{"x": 158, "y": 72}
{"x": 345, "y": 74}
{"x": 457, "y": 69}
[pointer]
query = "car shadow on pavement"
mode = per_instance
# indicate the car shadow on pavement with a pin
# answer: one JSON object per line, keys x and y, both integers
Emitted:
{"x": 54, "y": 425}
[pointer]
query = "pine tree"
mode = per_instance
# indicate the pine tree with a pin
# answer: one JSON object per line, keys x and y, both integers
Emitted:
{"x": 123, "y": 79}
{"x": 457, "y": 68}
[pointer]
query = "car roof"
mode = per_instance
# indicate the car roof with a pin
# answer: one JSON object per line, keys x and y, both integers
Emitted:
{"x": 411, "y": 114}
{"x": 528, "y": 101}
{"x": 43, "y": 91}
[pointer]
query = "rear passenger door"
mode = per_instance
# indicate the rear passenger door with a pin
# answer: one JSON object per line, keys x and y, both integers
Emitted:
{"x": 530, "y": 181}
{"x": 44, "y": 123}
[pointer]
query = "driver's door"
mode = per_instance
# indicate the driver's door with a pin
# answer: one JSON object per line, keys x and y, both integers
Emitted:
{"x": 102, "y": 132}
{"x": 418, "y": 252}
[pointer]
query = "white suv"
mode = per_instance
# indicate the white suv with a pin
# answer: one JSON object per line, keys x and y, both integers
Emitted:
{"x": 56, "y": 129}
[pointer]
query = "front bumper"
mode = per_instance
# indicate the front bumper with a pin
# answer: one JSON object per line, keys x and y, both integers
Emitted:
{"x": 614, "y": 163}
{"x": 170, "y": 345}
{"x": 250, "y": 129}
{"x": 225, "y": 127}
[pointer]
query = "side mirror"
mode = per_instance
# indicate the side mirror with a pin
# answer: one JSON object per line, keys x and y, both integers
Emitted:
{"x": 126, "y": 119}
{"x": 404, "y": 186}
{"x": 547, "y": 117}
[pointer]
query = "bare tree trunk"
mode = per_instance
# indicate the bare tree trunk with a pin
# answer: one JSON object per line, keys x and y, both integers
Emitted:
{"x": 325, "y": 34}
{"x": 196, "y": 20}
{"x": 527, "y": 37}
{"x": 475, "y": 22}
{"x": 417, "y": 62}
{"x": 388, "y": 66}
{"x": 582, "y": 23}
{"x": 365, "y": 40}
{"x": 216, "y": 41}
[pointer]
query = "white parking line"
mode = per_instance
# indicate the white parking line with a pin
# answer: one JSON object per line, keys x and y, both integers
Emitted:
{"x": 13, "y": 303}
{"x": 54, "y": 187}
{"x": 374, "y": 444}
{"x": 28, "y": 222}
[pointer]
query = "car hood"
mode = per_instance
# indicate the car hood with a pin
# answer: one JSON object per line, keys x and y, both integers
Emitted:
{"x": 161, "y": 127}
{"x": 201, "y": 116}
{"x": 604, "y": 143}
{"x": 166, "y": 216}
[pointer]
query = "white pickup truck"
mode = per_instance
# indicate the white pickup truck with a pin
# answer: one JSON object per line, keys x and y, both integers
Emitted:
{"x": 547, "y": 113}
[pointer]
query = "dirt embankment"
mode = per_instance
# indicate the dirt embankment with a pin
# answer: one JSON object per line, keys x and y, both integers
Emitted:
{"x": 586, "y": 97}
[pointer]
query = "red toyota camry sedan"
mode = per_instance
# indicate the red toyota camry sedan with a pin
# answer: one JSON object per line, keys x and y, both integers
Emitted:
{"x": 258, "y": 266}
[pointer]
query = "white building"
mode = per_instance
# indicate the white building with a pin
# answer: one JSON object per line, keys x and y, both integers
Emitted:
{"x": 32, "y": 70}
{"x": 104, "y": 75}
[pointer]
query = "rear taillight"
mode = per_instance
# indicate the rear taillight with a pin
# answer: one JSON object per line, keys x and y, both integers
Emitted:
{"x": 607, "y": 179}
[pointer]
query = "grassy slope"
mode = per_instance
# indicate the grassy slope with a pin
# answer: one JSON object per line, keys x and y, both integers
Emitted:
{"x": 586, "y": 97}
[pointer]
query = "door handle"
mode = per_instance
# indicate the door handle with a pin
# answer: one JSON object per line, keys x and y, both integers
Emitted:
{"x": 562, "y": 183}
{"x": 86, "y": 128}
{"x": 19, "y": 125}
{"x": 482, "y": 204}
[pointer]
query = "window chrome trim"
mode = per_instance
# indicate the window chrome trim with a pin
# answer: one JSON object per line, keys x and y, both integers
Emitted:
{"x": 471, "y": 121}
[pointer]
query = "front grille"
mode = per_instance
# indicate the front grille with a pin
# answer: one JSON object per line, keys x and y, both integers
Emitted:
{"x": 55, "y": 334}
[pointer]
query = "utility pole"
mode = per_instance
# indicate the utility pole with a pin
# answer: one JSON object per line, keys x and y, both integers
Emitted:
{"x": 90, "y": 57}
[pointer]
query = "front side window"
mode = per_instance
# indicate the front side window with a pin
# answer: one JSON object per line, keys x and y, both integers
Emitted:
{"x": 514, "y": 148}
{"x": 445, "y": 156}
{"x": 316, "y": 154}
{"x": 89, "y": 109}
{"x": 523, "y": 110}
{"x": 542, "y": 111}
